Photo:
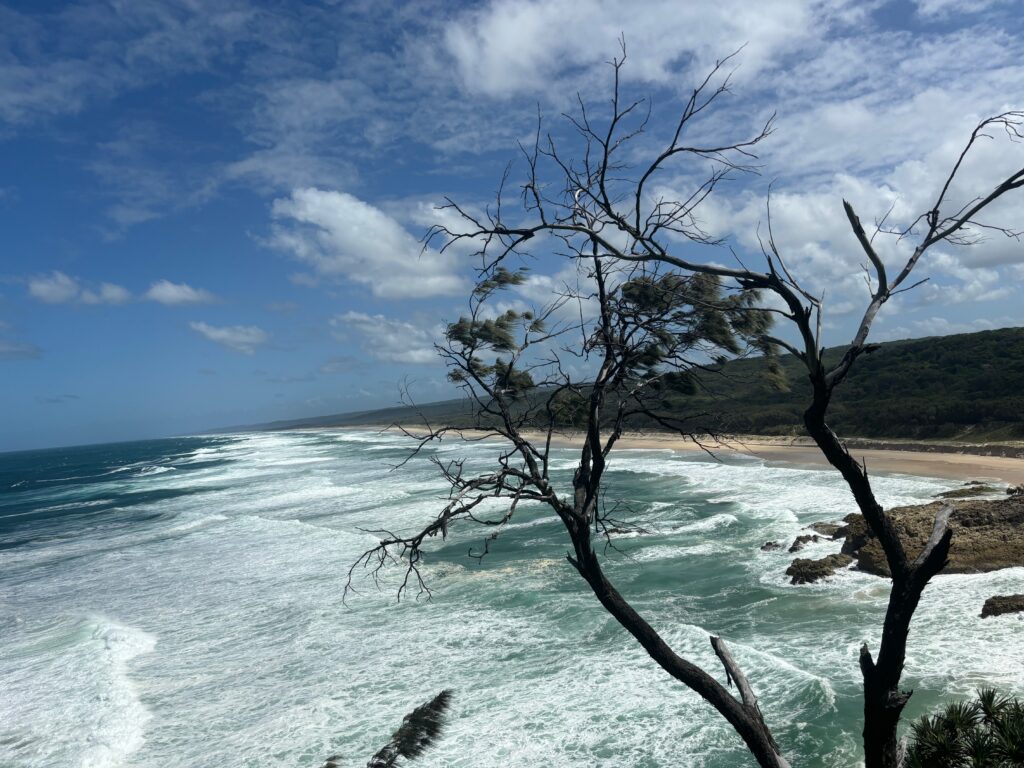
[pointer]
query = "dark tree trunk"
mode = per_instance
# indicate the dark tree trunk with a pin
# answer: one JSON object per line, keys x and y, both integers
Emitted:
{"x": 883, "y": 699}
{"x": 745, "y": 717}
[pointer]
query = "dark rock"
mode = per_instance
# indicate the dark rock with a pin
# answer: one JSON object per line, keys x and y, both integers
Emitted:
{"x": 1000, "y": 604}
{"x": 987, "y": 535}
{"x": 970, "y": 490}
{"x": 826, "y": 529}
{"x": 853, "y": 531}
{"x": 807, "y": 538}
{"x": 769, "y": 546}
{"x": 1015, "y": 490}
{"x": 806, "y": 571}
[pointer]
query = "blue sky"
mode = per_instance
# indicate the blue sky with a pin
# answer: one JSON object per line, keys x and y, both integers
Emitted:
{"x": 212, "y": 208}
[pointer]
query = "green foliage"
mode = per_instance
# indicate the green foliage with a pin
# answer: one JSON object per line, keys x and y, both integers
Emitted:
{"x": 968, "y": 386}
{"x": 987, "y": 732}
{"x": 470, "y": 335}
{"x": 482, "y": 334}
{"x": 511, "y": 381}
{"x": 501, "y": 278}
{"x": 568, "y": 408}
{"x": 680, "y": 312}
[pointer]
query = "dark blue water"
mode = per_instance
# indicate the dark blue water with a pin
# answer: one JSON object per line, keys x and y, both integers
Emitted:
{"x": 56, "y": 492}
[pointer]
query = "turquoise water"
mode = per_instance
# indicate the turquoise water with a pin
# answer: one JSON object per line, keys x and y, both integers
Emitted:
{"x": 178, "y": 603}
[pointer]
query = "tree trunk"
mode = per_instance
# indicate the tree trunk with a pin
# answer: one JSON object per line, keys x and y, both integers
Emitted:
{"x": 745, "y": 719}
{"x": 883, "y": 705}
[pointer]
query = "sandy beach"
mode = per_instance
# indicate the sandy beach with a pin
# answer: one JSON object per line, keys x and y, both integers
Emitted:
{"x": 798, "y": 452}
{"x": 956, "y": 466}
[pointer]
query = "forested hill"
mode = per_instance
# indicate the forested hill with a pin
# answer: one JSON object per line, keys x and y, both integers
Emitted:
{"x": 968, "y": 387}
{"x": 965, "y": 387}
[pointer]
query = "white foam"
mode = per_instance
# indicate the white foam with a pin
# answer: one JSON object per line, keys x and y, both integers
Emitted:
{"x": 77, "y": 703}
{"x": 242, "y": 582}
{"x": 201, "y": 522}
{"x": 155, "y": 470}
{"x": 71, "y": 505}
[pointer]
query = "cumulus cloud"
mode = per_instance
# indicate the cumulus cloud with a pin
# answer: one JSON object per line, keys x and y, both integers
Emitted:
{"x": 395, "y": 341}
{"x": 871, "y": 113}
{"x": 59, "y": 288}
{"x": 55, "y": 288}
{"x": 339, "y": 235}
{"x": 814, "y": 236}
{"x": 166, "y": 292}
{"x": 520, "y": 46}
{"x": 107, "y": 293}
{"x": 241, "y": 338}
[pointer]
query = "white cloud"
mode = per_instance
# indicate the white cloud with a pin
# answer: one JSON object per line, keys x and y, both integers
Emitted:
{"x": 105, "y": 50}
{"x": 242, "y": 338}
{"x": 338, "y": 235}
{"x": 814, "y": 236}
{"x": 59, "y": 288}
{"x": 931, "y": 9}
{"x": 521, "y": 46}
{"x": 107, "y": 293}
{"x": 391, "y": 340}
{"x": 166, "y": 292}
{"x": 55, "y": 288}
{"x": 872, "y": 114}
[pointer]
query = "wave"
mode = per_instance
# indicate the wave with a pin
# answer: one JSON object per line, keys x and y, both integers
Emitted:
{"x": 201, "y": 522}
{"x": 120, "y": 730}
{"x": 72, "y": 505}
{"x": 247, "y": 571}
{"x": 98, "y": 719}
{"x": 155, "y": 470}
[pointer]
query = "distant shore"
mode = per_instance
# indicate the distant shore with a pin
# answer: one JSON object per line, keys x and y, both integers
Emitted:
{"x": 946, "y": 460}
{"x": 933, "y": 463}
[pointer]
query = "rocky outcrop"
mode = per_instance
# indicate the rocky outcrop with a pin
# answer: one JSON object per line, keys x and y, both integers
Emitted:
{"x": 806, "y": 571}
{"x": 987, "y": 535}
{"x": 770, "y": 546}
{"x": 808, "y": 538}
{"x": 826, "y": 529}
{"x": 1015, "y": 490}
{"x": 969, "y": 490}
{"x": 1000, "y": 604}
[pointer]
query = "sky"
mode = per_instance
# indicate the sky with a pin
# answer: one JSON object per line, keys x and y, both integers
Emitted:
{"x": 212, "y": 210}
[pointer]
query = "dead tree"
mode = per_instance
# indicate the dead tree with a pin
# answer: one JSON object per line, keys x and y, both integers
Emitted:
{"x": 645, "y": 319}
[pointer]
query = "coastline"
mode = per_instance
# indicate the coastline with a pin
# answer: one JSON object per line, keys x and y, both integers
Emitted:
{"x": 944, "y": 461}
{"x": 950, "y": 465}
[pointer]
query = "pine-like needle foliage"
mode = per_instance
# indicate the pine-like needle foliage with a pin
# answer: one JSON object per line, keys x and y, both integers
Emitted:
{"x": 419, "y": 730}
{"x": 985, "y": 733}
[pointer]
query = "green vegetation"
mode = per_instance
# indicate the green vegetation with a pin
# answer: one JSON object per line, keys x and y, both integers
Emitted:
{"x": 966, "y": 387}
{"x": 985, "y": 733}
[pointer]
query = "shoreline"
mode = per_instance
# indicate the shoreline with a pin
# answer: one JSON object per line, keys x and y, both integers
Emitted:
{"x": 952, "y": 466}
{"x": 943, "y": 461}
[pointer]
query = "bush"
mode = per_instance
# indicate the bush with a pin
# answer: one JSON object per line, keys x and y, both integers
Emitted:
{"x": 985, "y": 733}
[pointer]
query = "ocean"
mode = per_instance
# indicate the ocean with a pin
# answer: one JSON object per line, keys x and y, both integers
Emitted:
{"x": 179, "y": 603}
